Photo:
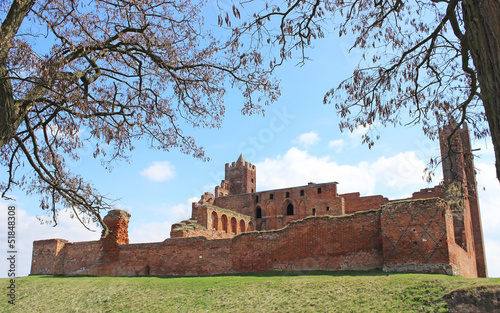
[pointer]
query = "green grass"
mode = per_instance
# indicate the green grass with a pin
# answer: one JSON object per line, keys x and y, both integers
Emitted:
{"x": 371, "y": 291}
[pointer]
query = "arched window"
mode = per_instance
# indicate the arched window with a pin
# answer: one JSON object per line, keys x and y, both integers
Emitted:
{"x": 242, "y": 226}
{"x": 223, "y": 220}
{"x": 215, "y": 220}
{"x": 250, "y": 226}
{"x": 289, "y": 209}
{"x": 258, "y": 212}
{"x": 233, "y": 225}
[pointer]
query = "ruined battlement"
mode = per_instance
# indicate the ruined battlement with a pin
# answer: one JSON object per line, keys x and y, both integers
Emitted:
{"x": 310, "y": 227}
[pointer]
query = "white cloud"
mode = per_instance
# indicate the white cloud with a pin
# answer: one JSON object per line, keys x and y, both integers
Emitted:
{"x": 337, "y": 144}
{"x": 489, "y": 198}
{"x": 359, "y": 131}
{"x": 149, "y": 232}
{"x": 399, "y": 171}
{"x": 492, "y": 247}
{"x": 307, "y": 139}
{"x": 159, "y": 171}
{"x": 297, "y": 168}
{"x": 159, "y": 231}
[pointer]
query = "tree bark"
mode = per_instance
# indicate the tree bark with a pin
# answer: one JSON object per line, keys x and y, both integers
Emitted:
{"x": 9, "y": 119}
{"x": 10, "y": 116}
{"x": 482, "y": 24}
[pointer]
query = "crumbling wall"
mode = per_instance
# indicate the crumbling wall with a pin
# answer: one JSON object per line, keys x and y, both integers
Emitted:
{"x": 316, "y": 243}
{"x": 45, "y": 256}
{"x": 405, "y": 236}
{"x": 354, "y": 202}
{"x": 213, "y": 222}
{"x": 311, "y": 200}
{"x": 419, "y": 236}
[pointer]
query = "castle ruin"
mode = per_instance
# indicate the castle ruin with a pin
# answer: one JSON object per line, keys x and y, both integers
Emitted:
{"x": 312, "y": 227}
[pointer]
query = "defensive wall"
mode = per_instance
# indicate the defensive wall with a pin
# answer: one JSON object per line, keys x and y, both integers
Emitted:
{"x": 406, "y": 236}
{"x": 312, "y": 227}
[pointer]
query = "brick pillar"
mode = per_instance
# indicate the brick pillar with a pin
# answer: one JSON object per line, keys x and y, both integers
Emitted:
{"x": 458, "y": 166}
{"x": 117, "y": 222}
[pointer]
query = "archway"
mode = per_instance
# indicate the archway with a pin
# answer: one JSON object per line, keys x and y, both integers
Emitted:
{"x": 215, "y": 220}
{"x": 233, "y": 225}
{"x": 224, "y": 222}
{"x": 258, "y": 212}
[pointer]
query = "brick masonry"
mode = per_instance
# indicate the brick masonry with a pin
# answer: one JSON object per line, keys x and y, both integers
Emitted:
{"x": 309, "y": 227}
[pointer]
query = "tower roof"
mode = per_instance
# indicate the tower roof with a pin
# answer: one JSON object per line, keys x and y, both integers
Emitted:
{"x": 241, "y": 159}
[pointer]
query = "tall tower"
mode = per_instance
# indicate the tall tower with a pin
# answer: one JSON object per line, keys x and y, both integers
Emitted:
{"x": 458, "y": 166}
{"x": 242, "y": 176}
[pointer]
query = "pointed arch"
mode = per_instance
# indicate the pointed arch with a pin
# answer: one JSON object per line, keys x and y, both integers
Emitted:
{"x": 215, "y": 220}
{"x": 223, "y": 220}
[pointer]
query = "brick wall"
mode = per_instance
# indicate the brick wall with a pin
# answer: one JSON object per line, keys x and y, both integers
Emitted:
{"x": 354, "y": 202}
{"x": 419, "y": 236}
{"x": 213, "y": 222}
{"x": 45, "y": 256}
{"x": 319, "y": 243}
{"x": 310, "y": 200}
{"x": 409, "y": 236}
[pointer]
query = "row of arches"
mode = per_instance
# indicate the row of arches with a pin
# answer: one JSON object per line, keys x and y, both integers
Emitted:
{"x": 231, "y": 225}
{"x": 289, "y": 211}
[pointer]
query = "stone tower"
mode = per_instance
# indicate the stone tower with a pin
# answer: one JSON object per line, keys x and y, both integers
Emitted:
{"x": 241, "y": 176}
{"x": 458, "y": 167}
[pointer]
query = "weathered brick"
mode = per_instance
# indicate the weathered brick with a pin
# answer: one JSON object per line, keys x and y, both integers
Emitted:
{"x": 308, "y": 227}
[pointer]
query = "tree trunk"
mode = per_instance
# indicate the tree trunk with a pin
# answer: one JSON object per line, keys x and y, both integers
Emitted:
{"x": 10, "y": 117}
{"x": 482, "y": 25}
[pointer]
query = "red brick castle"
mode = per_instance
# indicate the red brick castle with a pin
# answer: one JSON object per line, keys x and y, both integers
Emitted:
{"x": 311, "y": 227}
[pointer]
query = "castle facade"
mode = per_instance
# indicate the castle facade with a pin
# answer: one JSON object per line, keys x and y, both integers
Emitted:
{"x": 312, "y": 227}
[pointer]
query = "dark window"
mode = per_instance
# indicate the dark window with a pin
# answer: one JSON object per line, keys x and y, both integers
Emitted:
{"x": 224, "y": 223}
{"x": 215, "y": 221}
{"x": 314, "y": 212}
{"x": 271, "y": 196}
{"x": 302, "y": 192}
{"x": 289, "y": 209}
{"x": 328, "y": 208}
{"x": 319, "y": 190}
{"x": 252, "y": 190}
{"x": 233, "y": 225}
{"x": 287, "y": 194}
{"x": 252, "y": 180}
{"x": 256, "y": 199}
{"x": 258, "y": 213}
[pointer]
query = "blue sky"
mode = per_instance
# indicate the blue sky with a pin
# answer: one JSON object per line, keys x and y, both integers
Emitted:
{"x": 296, "y": 142}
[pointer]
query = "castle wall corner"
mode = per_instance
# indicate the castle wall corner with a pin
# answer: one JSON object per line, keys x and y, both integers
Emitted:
{"x": 46, "y": 257}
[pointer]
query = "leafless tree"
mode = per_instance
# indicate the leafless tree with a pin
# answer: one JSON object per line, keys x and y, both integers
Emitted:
{"x": 428, "y": 62}
{"x": 121, "y": 70}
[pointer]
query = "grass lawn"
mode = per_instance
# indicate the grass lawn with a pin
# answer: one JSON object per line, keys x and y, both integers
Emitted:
{"x": 372, "y": 291}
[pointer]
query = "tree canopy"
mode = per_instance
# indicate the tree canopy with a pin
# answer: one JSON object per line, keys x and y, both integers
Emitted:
{"x": 126, "y": 70}
{"x": 120, "y": 70}
{"x": 430, "y": 62}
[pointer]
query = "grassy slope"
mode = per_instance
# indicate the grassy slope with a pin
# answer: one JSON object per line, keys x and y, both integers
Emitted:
{"x": 371, "y": 291}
